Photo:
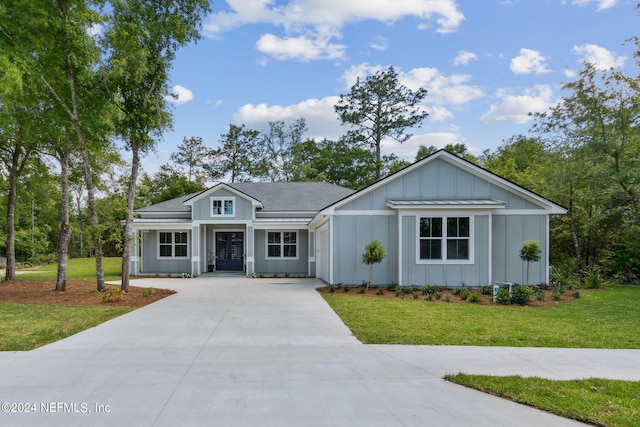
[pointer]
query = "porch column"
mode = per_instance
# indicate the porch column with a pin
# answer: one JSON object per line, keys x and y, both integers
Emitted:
{"x": 135, "y": 251}
{"x": 195, "y": 250}
{"x": 250, "y": 253}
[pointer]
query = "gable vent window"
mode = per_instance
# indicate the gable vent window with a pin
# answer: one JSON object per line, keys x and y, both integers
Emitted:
{"x": 444, "y": 238}
{"x": 221, "y": 206}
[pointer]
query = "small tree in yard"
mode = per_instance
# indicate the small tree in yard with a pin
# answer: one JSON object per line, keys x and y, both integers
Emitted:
{"x": 374, "y": 253}
{"x": 530, "y": 252}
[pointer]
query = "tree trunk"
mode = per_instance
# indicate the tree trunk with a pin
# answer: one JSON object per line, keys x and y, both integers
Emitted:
{"x": 576, "y": 242}
{"x": 65, "y": 227}
{"x": 11, "y": 213}
{"x": 128, "y": 225}
{"x": 18, "y": 163}
{"x": 72, "y": 112}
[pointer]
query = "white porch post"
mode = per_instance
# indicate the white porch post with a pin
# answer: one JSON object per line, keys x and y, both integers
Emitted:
{"x": 250, "y": 250}
{"x": 135, "y": 259}
{"x": 195, "y": 250}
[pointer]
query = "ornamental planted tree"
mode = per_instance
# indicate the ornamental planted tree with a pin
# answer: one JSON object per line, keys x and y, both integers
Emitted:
{"x": 374, "y": 253}
{"x": 530, "y": 252}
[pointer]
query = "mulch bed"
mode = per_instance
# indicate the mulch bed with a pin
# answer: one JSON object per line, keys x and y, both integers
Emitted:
{"x": 567, "y": 297}
{"x": 79, "y": 293}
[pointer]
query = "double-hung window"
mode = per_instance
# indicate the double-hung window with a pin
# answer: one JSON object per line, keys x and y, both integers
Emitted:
{"x": 444, "y": 239}
{"x": 173, "y": 244}
{"x": 282, "y": 244}
{"x": 221, "y": 206}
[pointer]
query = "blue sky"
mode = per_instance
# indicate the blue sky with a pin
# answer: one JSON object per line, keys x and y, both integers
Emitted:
{"x": 485, "y": 64}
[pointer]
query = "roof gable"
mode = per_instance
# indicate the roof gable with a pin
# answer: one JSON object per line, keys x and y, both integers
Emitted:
{"x": 462, "y": 164}
{"x": 211, "y": 191}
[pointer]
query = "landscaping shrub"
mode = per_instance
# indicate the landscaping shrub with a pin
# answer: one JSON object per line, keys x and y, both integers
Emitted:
{"x": 113, "y": 294}
{"x": 521, "y": 295}
{"x": 380, "y": 291}
{"x": 593, "y": 279}
{"x": 401, "y": 291}
{"x": 430, "y": 290}
{"x": 346, "y": 288}
{"x": 332, "y": 288}
{"x": 475, "y": 298}
{"x": 486, "y": 290}
{"x": 503, "y": 297}
{"x": 464, "y": 293}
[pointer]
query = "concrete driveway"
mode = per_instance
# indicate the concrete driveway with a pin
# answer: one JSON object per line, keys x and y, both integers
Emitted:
{"x": 267, "y": 352}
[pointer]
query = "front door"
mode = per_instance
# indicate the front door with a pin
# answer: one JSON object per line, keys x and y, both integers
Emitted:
{"x": 229, "y": 251}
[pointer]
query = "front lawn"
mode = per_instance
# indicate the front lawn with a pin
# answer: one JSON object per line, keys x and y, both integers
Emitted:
{"x": 602, "y": 402}
{"x": 77, "y": 268}
{"x": 28, "y": 326}
{"x": 600, "y": 318}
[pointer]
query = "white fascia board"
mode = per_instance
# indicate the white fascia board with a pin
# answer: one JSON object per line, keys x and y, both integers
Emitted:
{"x": 165, "y": 225}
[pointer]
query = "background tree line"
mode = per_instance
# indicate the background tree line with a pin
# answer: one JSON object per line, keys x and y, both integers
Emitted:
{"x": 74, "y": 102}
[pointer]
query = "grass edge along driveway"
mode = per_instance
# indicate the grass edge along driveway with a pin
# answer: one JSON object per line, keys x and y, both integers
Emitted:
{"x": 602, "y": 402}
{"x": 601, "y": 318}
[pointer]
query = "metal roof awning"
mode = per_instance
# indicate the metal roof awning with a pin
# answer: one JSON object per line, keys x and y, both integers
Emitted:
{"x": 446, "y": 204}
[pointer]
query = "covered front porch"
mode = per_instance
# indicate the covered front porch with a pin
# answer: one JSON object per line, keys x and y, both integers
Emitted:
{"x": 222, "y": 248}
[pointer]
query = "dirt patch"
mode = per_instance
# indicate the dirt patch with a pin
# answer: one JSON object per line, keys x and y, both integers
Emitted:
{"x": 448, "y": 296}
{"x": 79, "y": 293}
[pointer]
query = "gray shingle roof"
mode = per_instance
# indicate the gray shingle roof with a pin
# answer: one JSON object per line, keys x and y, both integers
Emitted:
{"x": 293, "y": 196}
{"x": 173, "y": 205}
{"x": 275, "y": 196}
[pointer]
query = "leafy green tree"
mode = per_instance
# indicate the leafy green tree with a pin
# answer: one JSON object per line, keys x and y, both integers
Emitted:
{"x": 166, "y": 184}
{"x": 238, "y": 156}
{"x": 277, "y": 148}
{"x": 459, "y": 150}
{"x": 593, "y": 136}
{"x": 523, "y": 160}
{"x": 142, "y": 39}
{"x": 193, "y": 154}
{"x": 379, "y": 107}
{"x": 374, "y": 253}
{"x": 530, "y": 252}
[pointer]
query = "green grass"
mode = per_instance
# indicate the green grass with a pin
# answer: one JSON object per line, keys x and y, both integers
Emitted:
{"x": 601, "y": 402}
{"x": 601, "y": 318}
{"x": 28, "y": 326}
{"x": 77, "y": 268}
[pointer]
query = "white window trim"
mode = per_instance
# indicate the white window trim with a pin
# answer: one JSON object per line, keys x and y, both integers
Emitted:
{"x": 444, "y": 260}
{"x": 223, "y": 199}
{"x": 173, "y": 245}
{"x": 282, "y": 257}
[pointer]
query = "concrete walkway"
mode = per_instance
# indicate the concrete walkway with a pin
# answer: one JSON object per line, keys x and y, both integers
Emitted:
{"x": 268, "y": 352}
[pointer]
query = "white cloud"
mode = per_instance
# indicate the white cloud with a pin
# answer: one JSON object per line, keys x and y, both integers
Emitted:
{"x": 319, "y": 114}
{"x": 95, "y": 29}
{"x": 182, "y": 95}
{"x": 516, "y": 108}
{"x": 380, "y": 43}
{"x": 529, "y": 61}
{"x": 302, "y": 48}
{"x": 464, "y": 57}
{"x": 321, "y": 21}
{"x": 441, "y": 89}
{"x": 602, "y": 4}
{"x": 600, "y": 57}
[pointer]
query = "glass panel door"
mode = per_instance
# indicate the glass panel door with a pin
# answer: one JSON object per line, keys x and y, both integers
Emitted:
{"x": 230, "y": 251}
